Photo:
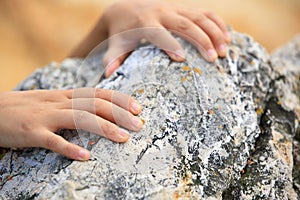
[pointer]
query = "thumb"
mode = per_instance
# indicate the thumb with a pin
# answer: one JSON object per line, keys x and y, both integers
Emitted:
{"x": 111, "y": 62}
{"x": 119, "y": 48}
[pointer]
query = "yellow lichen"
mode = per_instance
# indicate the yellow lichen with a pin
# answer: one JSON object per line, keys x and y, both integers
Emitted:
{"x": 257, "y": 100}
{"x": 32, "y": 87}
{"x": 186, "y": 68}
{"x": 211, "y": 112}
{"x": 259, "y": 111}
{"x": 198, "y": 71}
{"x": 184, "y": 190}
{"x": 141, "y": 91}
{"x": 176, "y": 195}
{"x": 183, "y": 79}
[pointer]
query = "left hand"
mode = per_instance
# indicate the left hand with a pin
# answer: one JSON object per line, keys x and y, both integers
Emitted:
{"x": 151, "y": 20}
{"x": 31, "y": 118}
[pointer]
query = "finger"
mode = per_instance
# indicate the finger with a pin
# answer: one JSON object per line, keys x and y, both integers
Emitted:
{"x": 111, "y": 63}
{"x": 210, "y": 28}
{"x": 123, "y": 100}
{"x": 56, "y": 143}
{"x": 220, "y": 23}
{"x": 78, "y": 119}
{"x": 164, "y": 40}
{"x": 84, "y": 92}
{"x": 188, "y": 30}
{"x": 108, "y": 111}
{"x": 50, "y": 96}
{"x": 81, "y": 93}
{"x": 119, "y": 47}
{"x": 118, "y": 98}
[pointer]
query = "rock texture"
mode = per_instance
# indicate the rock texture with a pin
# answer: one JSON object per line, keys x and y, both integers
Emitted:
{"x": 224, "y": 130}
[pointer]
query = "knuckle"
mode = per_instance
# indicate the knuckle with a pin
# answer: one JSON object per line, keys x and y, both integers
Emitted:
{"x": 69, "y": 149}
{"x": 216, "y": 36}
{"x": 141, "y": 20}
{"x": 27, "y": 127}
{"x": 105, "y": 128}
{"x": 204, "y": 43}
{"x": 200, "y": 19}
{"x": 49, "y": 97}
{"x": 209, "y": 14}
{"x": 99, "y": 92}
{"x": 79, "y": 115}
{"x": 108, "y": 129}
{"x": 51, "y": 142}
{"x": 91, "y": 104}
{"x": 183, "y": 25}
{"x": 218, "y": 40}
{"x": 97, "y": 105}
{"x": 159, "y": 10}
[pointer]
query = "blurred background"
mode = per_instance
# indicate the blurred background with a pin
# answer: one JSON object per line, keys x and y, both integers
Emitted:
{"x": 36, "y": 32}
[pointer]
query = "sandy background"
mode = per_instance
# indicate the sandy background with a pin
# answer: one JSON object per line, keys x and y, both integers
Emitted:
{"x": 36, "y": 32}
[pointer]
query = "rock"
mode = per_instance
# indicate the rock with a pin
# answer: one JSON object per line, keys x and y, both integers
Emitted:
{"x": 224, "y": 130}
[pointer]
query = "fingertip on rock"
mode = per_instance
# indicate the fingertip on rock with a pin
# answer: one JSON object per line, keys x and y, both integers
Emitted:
{"x": 222, "y": 50}
{"x": 83, "y": 155}
{"x": 135, "y": 107}
{"x": 112, "y": 67}
{"x": 228, "y": 37}
{"x": 211, "y": 55}
{"x": 178, "y": 55}
{"x": 123, "y": 135}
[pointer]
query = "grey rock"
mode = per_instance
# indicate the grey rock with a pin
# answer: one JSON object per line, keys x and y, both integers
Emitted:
{"x": 223, "y": 130}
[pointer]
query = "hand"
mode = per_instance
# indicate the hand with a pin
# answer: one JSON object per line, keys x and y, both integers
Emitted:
{"x": 150, "y": 20}
{"x": 30, "y": 118}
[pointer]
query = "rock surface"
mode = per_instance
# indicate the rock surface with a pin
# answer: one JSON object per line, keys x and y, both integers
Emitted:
{"x": 224, "y": 130}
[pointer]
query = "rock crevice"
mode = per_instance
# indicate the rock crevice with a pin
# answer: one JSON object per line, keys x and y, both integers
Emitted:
{"x": 223, "y": 130}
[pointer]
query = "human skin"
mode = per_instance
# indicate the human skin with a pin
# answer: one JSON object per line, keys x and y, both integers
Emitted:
{"x": 205, "y": 30}
{"x": 31, "y": 118}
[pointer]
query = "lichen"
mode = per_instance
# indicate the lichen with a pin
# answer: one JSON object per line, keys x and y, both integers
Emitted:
{"x": 223, "y": 130}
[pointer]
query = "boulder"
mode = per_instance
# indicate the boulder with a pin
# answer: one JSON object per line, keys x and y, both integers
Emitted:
{"x": 223, "y": 130}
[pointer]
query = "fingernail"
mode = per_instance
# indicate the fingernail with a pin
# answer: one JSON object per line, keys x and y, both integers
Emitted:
{"x": 111, "y": 68}
{"x": 228, "y": 37}
{"x": 83, "y": 154}
{"x": 135, "y": 107}
{"x": 107, "y": 73}
{"x": 212, "y": 55}
{"x": 123, "y": 133}
{"x": 223, "y": 48}
{"x": 137, "y": 122}
{"x": 180, "y": 54}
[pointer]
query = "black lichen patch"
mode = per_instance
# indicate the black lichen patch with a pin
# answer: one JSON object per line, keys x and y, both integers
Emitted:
{"x": 192, "y": 167}
{"x": 255, "y": 172}
{"x": 284, "y": 120}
